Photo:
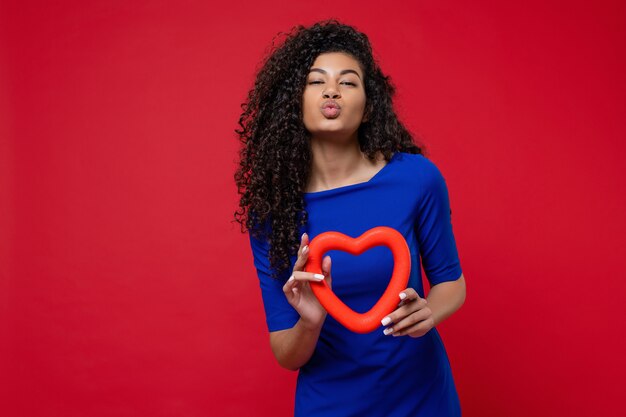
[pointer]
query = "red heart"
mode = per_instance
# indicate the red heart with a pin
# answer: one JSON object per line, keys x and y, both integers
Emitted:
{"x": 377, "y": 236}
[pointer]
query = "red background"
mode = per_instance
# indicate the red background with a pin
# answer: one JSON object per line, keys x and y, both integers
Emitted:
{"x": 125, "y": 289}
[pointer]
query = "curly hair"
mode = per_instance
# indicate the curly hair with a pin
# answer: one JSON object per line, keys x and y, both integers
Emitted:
{"x": 275, "y": 156}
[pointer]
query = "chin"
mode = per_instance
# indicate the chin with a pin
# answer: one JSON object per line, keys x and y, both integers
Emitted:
{"x": 340, "y": 133}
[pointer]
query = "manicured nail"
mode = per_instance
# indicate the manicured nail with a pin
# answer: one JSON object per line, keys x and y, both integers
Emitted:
{"x": 305, "y": 248}
{"x": 385, "y": 321}
{"x": 402, "y": 296}
{"x": 388, "y": 331}
{"x": 318, "y": 276}
{"x": 291, "y": 278}
{"x": 302, "y": 237}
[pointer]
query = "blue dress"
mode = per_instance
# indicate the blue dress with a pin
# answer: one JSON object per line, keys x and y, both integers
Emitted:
{"x": 372, "y": 374}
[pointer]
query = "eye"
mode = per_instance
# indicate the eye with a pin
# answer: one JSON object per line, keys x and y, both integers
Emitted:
{"x": 345, "y": 82}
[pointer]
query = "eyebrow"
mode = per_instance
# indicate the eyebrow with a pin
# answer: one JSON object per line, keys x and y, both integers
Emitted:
{"x": 345, "y": 71}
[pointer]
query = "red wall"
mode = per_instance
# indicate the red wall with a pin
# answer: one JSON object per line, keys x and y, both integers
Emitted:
{"x": 125, "y": 290}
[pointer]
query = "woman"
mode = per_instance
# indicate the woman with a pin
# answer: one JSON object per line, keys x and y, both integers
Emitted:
{"x": 323, "y": 150}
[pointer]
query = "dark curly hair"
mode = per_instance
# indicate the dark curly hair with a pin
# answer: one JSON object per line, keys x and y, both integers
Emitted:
{"x": 275, "y": 157}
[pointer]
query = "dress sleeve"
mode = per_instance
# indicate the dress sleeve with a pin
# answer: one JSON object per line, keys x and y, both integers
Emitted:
{"x": 279, "y": 314}
{"x": 434, "y": 228}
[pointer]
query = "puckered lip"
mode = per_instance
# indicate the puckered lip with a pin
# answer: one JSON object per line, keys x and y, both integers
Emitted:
{"x": 330, "y": 103}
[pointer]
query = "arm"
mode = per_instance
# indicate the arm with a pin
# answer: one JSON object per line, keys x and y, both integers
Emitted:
{"x": 294, "y": 347}
{"x": 416, "y": 316}
{"x": 445, "y": 298}
{"x": 294, "y": 316}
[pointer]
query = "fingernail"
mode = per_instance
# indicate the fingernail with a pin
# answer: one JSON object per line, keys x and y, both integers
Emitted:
{"x": 388, "y": 331}
{"x": 305, "y": 248}
{"x": 402, "y": 296}
{"x": 318, "y": 276}
{"x": 291, "y": 278}
{"x": 302, "y": 237}
{"x": 385, "y": 321}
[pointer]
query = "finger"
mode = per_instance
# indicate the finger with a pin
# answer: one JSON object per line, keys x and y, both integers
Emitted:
{"x": 303, "y": 256}
{"x": 411, "y": 320}
{"x": 304, "y": 241}
{"x": 404, "y": 311}
{"x": 418, "y": 329}
{"x": 290, "y": 284}
{"x": 326, "y": 266}
{"x": 403, "y": 302}
{"x": 291, "y": 290}
{"x": 406, "y": 307}
{"x": 409, "y": 294}
{"x": 307, "y": 276}
{"x": 406, "y": 296}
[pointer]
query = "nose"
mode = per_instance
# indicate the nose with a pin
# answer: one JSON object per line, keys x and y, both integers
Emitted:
{"x": 331, "y": 93}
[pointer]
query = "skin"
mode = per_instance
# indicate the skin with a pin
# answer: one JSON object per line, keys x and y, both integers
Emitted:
{"x": 337, "y": 158}
{"x": 337, "y": 162}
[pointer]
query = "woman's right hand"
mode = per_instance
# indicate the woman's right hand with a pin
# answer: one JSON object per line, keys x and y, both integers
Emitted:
{"x": 298, "y": 291}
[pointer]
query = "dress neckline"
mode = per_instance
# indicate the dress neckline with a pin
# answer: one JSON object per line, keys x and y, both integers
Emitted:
{"x": 344, "y": 187}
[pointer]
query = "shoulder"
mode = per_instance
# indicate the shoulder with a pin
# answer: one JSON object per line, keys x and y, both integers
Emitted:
{"x": 419, "y": 167}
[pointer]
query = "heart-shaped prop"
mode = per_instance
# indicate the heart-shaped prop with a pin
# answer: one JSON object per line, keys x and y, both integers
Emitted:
{"x": 377, "y": 236}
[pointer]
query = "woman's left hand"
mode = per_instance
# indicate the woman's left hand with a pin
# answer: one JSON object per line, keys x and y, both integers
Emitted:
{"x": 412, "y": 317}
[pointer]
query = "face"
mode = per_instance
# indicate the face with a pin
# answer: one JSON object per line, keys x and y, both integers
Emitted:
{"x": 337, "y": 78}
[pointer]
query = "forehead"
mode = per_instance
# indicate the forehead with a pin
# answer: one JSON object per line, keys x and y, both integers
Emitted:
{"x": 333, "y": 62}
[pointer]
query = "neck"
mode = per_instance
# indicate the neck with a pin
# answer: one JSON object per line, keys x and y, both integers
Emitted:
{"x": 336, "y": 163}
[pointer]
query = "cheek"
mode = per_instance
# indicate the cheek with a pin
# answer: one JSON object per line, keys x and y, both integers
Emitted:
{"x": 358, "y": 106}
{"x": 363, "y": 101}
